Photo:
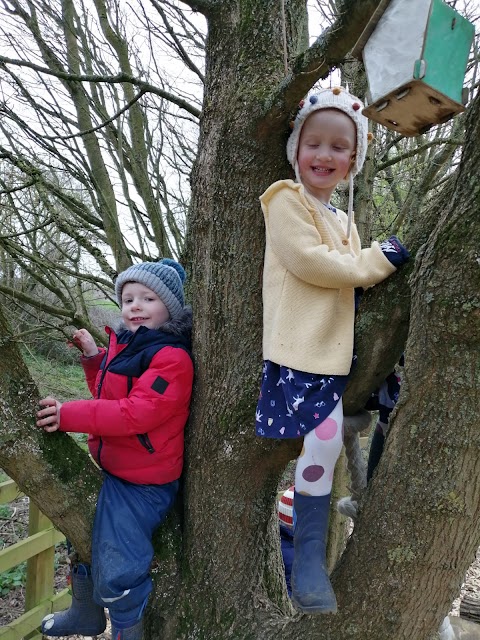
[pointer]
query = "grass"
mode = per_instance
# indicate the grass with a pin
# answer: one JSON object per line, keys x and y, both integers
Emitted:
{"x": 64, "y": 382}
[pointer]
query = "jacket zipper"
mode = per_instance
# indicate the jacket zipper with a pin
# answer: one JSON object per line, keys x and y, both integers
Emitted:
{"x": 145, "y": 442}
{"x": 142, "y": 437}
{"x": 99, "y": 389}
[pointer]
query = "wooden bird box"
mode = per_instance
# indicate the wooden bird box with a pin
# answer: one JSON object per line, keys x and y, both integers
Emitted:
{"x": 415, "y": 54}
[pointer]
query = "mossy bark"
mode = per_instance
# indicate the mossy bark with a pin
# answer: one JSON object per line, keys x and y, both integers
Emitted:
{"x": 217, "y": 571}
{"x": 49, "y": 467}
{"x": 420, "y": 524}
{"x": 230, "y": 574}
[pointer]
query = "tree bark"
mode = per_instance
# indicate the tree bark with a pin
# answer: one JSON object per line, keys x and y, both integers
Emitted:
{"x": 217, "y": 571}
{"x": 50, "y": 468}
{"x": 419, "y": 528}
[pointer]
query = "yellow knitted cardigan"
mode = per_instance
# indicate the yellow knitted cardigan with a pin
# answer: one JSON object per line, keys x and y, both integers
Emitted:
{"x": 310, "y": 271}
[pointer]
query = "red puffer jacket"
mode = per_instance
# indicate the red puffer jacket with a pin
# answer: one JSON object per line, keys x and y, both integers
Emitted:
{"x": 136, "y": 423}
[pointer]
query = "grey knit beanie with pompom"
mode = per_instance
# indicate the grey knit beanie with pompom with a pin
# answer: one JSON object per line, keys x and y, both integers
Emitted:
{"x": 165, "y": 278}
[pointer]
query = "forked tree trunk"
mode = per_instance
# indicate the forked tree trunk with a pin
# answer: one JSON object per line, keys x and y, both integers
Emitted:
{"x": 231, "y": 578}
{"x": 218, "y": 573}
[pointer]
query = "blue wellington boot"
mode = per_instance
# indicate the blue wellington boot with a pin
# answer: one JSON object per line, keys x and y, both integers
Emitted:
{"x": 376, "y": 450}
{"x": 132, "y": 633}
{"x": 85, "y": 617}
{"x": 311, "y": 588}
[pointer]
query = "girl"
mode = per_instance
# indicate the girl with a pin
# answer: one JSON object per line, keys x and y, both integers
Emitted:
{"x": 313, "y": 262}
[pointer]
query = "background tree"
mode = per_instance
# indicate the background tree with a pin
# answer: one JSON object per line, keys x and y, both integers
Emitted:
{"x": 95, "y": 148}
{"x": 218, "y": 571}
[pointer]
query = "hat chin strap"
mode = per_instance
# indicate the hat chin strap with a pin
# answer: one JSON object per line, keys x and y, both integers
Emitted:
{"x": 350, "y": 204}
{"x": 297, "y": 173}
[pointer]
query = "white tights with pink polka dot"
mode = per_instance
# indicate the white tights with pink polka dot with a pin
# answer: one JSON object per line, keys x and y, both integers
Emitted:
{"x": 321, "y": 448}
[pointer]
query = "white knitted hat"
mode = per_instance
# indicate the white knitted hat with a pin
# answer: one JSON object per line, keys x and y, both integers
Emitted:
{"x": 285, "y": 507}
{"x": 336, "y": 98}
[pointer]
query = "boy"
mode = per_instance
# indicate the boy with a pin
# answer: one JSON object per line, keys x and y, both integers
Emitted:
{"x": 142, "y": 385}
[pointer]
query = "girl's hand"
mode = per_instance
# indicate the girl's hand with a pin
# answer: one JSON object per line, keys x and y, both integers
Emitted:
{"x": 83, "y": 339}
{"x": 394, "y": 251}
{"x": 49, "y": 417}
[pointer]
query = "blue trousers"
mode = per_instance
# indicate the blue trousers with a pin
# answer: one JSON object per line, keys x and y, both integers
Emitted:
{"x": 126, "y": 516}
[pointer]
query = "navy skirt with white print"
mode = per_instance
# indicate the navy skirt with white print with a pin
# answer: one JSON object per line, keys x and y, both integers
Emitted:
{"x": 292, "y": 403}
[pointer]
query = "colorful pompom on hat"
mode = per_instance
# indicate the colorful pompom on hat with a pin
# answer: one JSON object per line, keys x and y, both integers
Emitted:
{"x": 165, "y": 278}
{"x": 285, "y": 507}
{"x": 336, "y": 98}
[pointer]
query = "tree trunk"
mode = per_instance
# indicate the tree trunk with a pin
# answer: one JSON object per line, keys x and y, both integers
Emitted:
{"x": 50, "y": 468}
{"x": 232, "y": 586}
{"x": 218, "y": 572}
{"x": 420, "y": 527}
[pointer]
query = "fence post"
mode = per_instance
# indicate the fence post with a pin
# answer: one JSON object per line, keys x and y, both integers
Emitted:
{"x": 40, "y": 568}
{"x": 39, "y": 552}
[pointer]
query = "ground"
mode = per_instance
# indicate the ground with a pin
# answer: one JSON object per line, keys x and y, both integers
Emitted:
{"x": 13, "y": 526}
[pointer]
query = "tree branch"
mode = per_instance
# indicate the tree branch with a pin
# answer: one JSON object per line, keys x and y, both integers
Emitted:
{"x": 102, "y": 124}
{"x": 43, "y": 306}
{"x": 109, "y": 79}
{"x": 202, "y": 6}
{"x": 315, "y": 63}
{"x": 178, "y": 45}
{"x": 417, "y": 150}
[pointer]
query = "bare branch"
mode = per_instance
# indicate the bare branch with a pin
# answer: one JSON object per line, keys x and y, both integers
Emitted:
{"x": 102, "y": 124}
{"x": 417, "y": 150}
{"x": 107, "y": 79}
{"x": 315, "y": 63}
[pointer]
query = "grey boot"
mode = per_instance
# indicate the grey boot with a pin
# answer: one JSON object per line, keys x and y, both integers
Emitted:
{"x": 132, "y": 633}
{"x": 85, "y": 617}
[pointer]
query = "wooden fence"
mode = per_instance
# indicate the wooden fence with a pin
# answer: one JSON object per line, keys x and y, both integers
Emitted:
{"x": 38, "y": 549}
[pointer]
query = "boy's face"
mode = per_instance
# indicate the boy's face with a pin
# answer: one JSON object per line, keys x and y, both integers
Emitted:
{"x": 142, "y": 307}
{"x": 325, "y": 151}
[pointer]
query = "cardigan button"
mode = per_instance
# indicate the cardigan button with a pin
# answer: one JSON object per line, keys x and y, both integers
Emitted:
{"x": 345, "y": 242}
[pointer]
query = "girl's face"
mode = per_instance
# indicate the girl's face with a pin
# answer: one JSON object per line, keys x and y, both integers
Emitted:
{"x": 141, "y": 306}
{"x": 326, "y": 150}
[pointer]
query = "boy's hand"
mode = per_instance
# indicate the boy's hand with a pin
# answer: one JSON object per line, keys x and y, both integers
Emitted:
{"x": 48, "y": 418}
{"x": 84, "y": 341}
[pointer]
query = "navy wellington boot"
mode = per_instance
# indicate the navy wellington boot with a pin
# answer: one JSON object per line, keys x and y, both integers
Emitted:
{"x": 311, "y": 588}
{"x": 85, "y": 617}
